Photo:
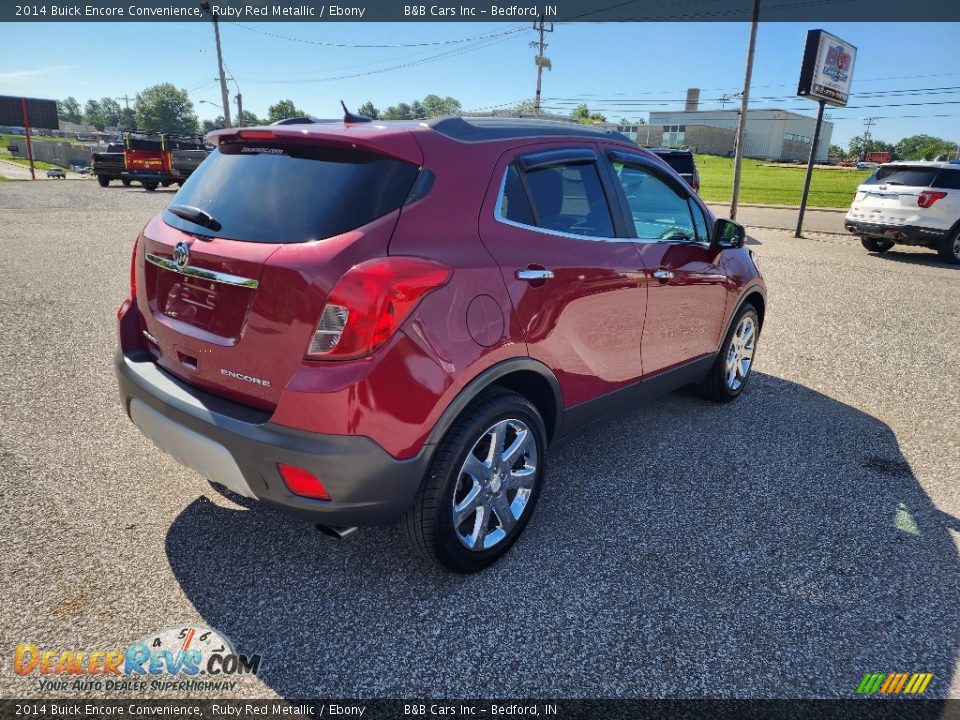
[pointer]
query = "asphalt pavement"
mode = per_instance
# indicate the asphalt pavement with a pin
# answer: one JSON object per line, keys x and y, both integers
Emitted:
{"x": 780, "y": 546}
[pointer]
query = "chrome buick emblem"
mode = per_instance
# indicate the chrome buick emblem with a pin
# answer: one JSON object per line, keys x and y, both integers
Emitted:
{"x": 181, "y": 254}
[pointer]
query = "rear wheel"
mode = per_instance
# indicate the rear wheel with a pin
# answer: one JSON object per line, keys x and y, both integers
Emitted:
{"x": 166, "y": 184}
{"x": 482, "y": 486}
{"x": 150, "y": 185}
{"x": 876, "y": 244}
{"x": 126, "y": 182}
{"x": 949, "y": 248}
{"x": 729, "y": 375}
{"x": 104, "y": 181}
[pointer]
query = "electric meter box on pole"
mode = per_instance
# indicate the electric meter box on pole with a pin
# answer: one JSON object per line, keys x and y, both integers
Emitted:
{"x": 827, "y": 69}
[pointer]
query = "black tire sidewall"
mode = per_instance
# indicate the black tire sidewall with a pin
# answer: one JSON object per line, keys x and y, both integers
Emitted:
{"x": 448, "y": 547}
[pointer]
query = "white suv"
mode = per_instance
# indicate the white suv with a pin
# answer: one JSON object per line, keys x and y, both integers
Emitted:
{"x": 911, "y": 203}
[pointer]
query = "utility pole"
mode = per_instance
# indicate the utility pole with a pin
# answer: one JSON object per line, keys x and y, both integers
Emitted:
{"x": 868, "y": 123}
{"x": 126, "y": 99}
{"x": 744, "y": 103}
{"x": 541, "y": 61}
{"x": 224, "y": 95}
{"x": 239, "y": 98}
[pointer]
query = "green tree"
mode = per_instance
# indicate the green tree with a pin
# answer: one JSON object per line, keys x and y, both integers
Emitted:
{"x": 210, "y": 125}
{"x": 368, "y": 109}
{"x": 859, "y": 149}
{"x": 283, "y": 110}
{"x": 68, "y": 110}
{"x": 636, "y": 121}
{"x": 525, "y": 107}
{"x": 434, "y": 106}
{"x": 836, "y": 151}
{"x": 924, "y": 147}
{"x": 164, "y": 107}
{"x": 93, "y": 114}
{"x": 581, "y": 113}
{"x": 400, "y": 111}
{"x": 249, "y": 119}
{"x": 111, "y": 112}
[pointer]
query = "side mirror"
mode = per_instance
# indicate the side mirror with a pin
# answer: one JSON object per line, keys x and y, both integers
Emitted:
{"x": 728, "y": 234}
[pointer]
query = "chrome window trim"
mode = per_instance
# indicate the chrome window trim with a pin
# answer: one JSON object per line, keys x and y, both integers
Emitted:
{"x": 573, "y": 236}
{"x": 201, "y": 274}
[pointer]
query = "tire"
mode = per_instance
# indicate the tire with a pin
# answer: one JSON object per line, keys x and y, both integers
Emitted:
{"x": 429, "y": 525}
{"x": 103, "y": 180}
{"x": 949, "y": 248}
{"x": 724, "y": 382}
{"x": 876, "y": 244}
{"x": 166, "y": 184}
{"x": 150, "y": 185}
{"x": 126, "y": 182}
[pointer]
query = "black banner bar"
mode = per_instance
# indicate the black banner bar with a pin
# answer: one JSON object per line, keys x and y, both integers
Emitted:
{"x": 820, "y": 11}
{"x": 899, "y": 708}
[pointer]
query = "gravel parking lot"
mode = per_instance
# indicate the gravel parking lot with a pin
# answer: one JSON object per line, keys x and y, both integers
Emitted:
{"x": 781, "y": 546}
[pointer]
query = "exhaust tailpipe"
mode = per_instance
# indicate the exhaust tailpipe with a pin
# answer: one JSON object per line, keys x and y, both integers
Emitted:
{"x": 338, "y": 533}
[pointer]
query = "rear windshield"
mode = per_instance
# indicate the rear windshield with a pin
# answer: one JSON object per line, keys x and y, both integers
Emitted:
{"x": 682, "y": 163}
{"x": 287, "y": 194}
{"x": 902, "y": 175}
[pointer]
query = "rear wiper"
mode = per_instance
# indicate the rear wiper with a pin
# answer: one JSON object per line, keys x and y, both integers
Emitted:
{"x": 195, "y": 215}
{"x": 890, "y": 182}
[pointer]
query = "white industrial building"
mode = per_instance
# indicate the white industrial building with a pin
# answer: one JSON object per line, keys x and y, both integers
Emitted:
{"x": 770, "y": 134}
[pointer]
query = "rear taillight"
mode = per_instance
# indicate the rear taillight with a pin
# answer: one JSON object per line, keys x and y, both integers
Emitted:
{"x": 370, "y": 302}
{"x": 929, "y": 197}
{"x": 133, "y": 282}
{"x": 302, "y": 482}
{"x": 696, "y": 184}
{"x": 133, "y": 269}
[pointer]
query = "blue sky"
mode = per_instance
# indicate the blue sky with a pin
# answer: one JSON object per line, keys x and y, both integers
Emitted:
{"x": 603, "y": 64}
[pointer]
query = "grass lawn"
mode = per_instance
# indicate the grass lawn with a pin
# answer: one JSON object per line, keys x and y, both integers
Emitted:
{"x": 37, "y": 164}
{"x": 764, "y": 183}
{"x": 21, "y": 140}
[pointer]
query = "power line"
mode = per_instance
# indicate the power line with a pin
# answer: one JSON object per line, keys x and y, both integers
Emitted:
{"x": 395, "y": 45}
{"x": 441, "y": 56}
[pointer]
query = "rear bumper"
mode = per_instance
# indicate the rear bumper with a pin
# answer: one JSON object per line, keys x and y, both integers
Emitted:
{"x": 905, "y": 234}
{"x": 236, "y": 446}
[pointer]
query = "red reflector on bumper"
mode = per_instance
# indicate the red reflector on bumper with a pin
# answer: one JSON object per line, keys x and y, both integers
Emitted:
{"x": 302, "y": 482}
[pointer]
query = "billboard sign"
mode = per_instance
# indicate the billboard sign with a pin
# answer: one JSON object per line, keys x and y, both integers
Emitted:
{"x": 827, "y": 69}
{"x": 40, "y": 113}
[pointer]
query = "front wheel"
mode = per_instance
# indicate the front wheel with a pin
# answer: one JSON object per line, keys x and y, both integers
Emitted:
{"x": 150, "y": 185}
{"x": 126, "y": 182}
{"x": 104, "y": 181}
{"x": 949, "y": 248}
{"x": 482, "y": 486}
{"x": 876, "y": 244}
{"x": 730, "y": 372}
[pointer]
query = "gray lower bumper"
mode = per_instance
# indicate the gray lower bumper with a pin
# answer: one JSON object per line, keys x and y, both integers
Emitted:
{"x": 905, "y": 234}
{"x": 238, "y": 447}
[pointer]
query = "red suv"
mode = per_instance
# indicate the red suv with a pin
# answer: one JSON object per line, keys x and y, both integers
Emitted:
{"x": 363, "y": 322}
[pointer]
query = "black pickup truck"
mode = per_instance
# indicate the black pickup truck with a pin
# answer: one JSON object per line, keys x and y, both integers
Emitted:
{"x": 109, "y": 165}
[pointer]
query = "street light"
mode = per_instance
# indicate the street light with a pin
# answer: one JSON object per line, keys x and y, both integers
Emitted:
{"x": 205, "y": 6}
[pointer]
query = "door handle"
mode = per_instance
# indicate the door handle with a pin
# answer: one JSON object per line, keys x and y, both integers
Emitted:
{"x": 530, "y": 274}
{"x": 663, "y": 274}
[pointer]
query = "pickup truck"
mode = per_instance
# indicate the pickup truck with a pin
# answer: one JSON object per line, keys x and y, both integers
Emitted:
{"x": 156, "y": 159}
{"x": 109, "y": 165}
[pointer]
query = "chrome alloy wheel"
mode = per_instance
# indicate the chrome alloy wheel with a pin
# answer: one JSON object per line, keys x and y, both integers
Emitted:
{"x": 495, "y": 484}
{"x": 740, "y": 353}
{"x": 956, "y": 246}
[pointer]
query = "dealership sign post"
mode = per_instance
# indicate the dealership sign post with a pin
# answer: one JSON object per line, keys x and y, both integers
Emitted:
{"x": 825, "y": 76}
{"x": 21, "y": 112}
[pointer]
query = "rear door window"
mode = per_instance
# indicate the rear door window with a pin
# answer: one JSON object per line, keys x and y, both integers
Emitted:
{"x": 902, "y": 175}
{"x": 287, "y": 194}
{"x": 565, "y": 197}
